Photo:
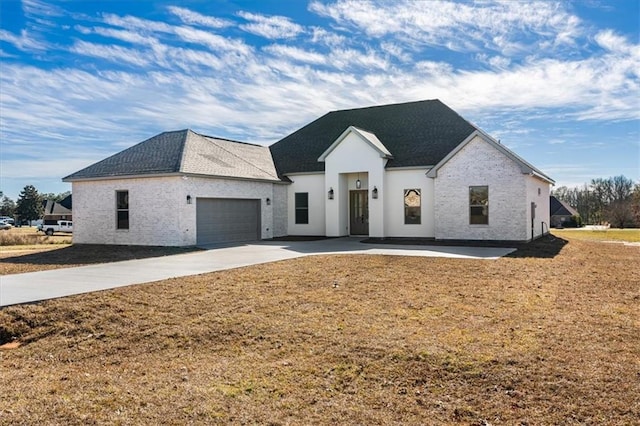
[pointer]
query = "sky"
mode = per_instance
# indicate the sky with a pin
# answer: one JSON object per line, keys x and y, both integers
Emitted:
{"x": 556, "y": 82}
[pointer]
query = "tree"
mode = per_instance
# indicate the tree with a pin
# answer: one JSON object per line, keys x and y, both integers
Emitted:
{"x": 603, "y": 200}
{"x": 635, "y": 204}
{"x": 7, "y": 206}
{"x": 29, "y": 205}
{"x": 55, "y": 197}
{"x": 616, "y": 201}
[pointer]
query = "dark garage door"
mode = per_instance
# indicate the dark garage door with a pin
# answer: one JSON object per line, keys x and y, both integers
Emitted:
{"x": 224, "y": 220}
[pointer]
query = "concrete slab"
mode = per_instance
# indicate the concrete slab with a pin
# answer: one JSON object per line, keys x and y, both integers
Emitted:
{"x": 36, "y": 286}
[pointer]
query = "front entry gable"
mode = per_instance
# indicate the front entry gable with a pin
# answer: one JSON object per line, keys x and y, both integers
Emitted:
{"x": 351, "y": 136}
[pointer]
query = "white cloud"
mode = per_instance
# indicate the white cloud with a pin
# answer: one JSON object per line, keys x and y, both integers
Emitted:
{"x": 295, "y": 54}
{"x": 321, "y": 35}
{"x": 25, "y": 41}
{"x": 112, "y": 53}
{"x": 37, "y": 8}
{"x": 190, "y": 17}
{"x": 395, "y": 50}
{"x": 213, "y": 41}
{"x": 123, "y": 35}
{"x": 271, "y": 27}
{"x": 615, "y": 43}
{"x": 507, "y": 27}
{"x": 131, "y": 22}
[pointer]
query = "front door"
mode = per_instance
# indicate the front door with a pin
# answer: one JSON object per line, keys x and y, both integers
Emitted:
{"x": 359, "y": 212}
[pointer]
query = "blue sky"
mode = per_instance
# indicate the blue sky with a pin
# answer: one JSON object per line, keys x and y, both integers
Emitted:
{"x": 557, "y": 82}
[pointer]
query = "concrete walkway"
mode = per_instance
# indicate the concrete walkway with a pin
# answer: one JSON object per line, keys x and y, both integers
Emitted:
{"x": 36, "y": 286}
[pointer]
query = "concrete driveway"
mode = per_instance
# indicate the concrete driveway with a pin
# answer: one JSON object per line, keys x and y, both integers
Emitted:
{"x": 36, "y": 286}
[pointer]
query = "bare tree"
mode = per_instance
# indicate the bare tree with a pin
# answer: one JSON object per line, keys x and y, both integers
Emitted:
{"x": 604, "y": 200}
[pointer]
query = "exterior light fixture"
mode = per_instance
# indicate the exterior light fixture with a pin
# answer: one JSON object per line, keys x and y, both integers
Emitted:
{"x": 358, "y": 182}
{"x": 374, "y": 193}
{"x": 188, "y": 199}
{"x": 268, "y": 201}
{"x": 330, "y": 194}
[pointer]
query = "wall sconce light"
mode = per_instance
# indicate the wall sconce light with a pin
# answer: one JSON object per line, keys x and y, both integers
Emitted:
{"x": 374, "y": 193}
{"x": 330, "y": 194}
{"x": 268, "y": 201}
{"x": 358, "y": 182}
{"x": 188, "y": 199}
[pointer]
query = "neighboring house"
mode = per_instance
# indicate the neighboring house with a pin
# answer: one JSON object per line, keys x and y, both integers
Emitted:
{"x": 414, "y": 170}
{"x": 55, "y": 211}
{"x": 560, "y": 212}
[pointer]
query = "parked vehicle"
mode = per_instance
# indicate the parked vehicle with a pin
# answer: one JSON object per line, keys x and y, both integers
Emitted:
{"x": 5, "y": 226}
{"x": 65, "y": 226}
{"x": 8, "y": 220}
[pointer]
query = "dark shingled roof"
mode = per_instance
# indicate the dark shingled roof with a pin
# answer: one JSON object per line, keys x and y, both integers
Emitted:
{"x": 416, "y": 133}
{"x": 560, "y": 208}
{"x": 159, "y": 154}
{"x": 67, "y": 202}
{"x": 185, "y": 151}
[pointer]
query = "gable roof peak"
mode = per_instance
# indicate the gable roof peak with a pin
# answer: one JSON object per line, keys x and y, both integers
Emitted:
{"x": 369, "y": 137}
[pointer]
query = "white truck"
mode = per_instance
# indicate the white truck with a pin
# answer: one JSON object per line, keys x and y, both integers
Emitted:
{"x": 65, "y": 226}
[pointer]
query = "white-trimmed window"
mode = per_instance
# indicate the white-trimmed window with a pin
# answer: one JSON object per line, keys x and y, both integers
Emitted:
{"x": 122, "y": 209}
{"x": 479, "y": 205}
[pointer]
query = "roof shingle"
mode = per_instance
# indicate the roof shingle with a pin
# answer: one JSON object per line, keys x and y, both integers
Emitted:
{"x": 416, "y": 133}
{"x": 185, "y": 151}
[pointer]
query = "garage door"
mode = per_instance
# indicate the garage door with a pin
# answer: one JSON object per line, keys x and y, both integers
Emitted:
{"x": 223, "y": 220}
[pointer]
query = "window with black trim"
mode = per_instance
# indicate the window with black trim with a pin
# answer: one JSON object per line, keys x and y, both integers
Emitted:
{"x": 122, "y": 209}
{"x": 412, "y": 206}
{"x": 478, "y": 205}
{"x": 302, "y": 207}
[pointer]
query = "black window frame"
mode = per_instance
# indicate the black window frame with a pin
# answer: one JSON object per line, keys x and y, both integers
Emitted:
{"x": 412, "y": 214}
{"x": 122, "y": 209}
{"x": 478, "y": 204}
{"x": 301, "y": 200}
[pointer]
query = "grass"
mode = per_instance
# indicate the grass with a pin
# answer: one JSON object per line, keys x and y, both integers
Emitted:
{"x": 27, "y": 237}
{"x": 400, "y": 340}
{"x": 41, "y": 258}
{"x": 627, "y": 235}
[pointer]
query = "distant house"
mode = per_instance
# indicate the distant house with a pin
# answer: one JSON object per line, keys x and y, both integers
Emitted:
{"x": 415, "y": 169}
{"x": 55, "y": 211}
{"x": 560, "y": 212}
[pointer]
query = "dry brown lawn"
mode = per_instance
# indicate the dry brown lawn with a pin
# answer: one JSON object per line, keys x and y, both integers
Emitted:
{"x": 17, "y": 260}
{"x": 552, "y": 339}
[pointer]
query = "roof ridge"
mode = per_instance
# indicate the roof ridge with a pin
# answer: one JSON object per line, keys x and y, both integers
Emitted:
{"x": 213, "y": 140}
{"x": 224, "y": 139}
{"x": 387, "y": 105}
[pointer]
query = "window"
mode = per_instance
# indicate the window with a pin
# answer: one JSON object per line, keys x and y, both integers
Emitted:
{"x": 122, "y": 209}
{"x": 479, "y": 205}
{"x": 412, "y": 211}
{"x": 302, "y": 207}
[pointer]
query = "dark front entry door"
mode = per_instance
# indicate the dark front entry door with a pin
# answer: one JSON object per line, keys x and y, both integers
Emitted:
{"x": 359, "y": 212}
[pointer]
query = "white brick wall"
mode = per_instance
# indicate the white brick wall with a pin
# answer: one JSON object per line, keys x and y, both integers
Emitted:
{"x": 478, "y": 163}
{"x": 280, "y": 209}
{"x": 541, "y": 198}
{"x": 158, "y": 210}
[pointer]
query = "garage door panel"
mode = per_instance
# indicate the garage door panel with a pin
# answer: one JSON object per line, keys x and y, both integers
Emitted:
{"x": 223, "y": 220}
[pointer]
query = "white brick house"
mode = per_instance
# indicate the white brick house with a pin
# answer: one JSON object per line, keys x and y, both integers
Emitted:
{"x": 413, "y": 170}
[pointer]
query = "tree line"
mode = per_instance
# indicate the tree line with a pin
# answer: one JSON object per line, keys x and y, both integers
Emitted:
{"x": 614, "y": 200}
{"x": 29, "y": 205}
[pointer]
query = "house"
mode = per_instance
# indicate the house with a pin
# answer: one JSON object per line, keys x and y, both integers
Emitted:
{"x": 414, "y": 169}
{"x": 55, "y": 211}
{"x": 561, "y": 213}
